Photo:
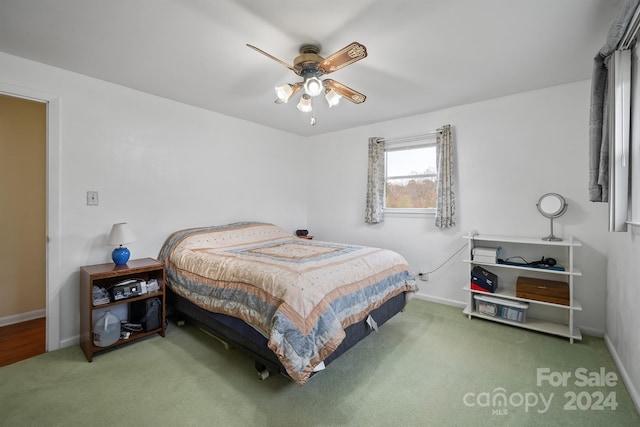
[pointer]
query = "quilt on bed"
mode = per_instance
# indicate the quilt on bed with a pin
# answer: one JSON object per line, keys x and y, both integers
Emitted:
{"x": 300, "y": 294}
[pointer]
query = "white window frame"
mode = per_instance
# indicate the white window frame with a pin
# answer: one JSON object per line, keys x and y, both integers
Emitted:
{"x": 428, "y": 142}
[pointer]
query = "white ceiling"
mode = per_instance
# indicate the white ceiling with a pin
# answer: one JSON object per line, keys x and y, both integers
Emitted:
{"x": 424, "y": 55}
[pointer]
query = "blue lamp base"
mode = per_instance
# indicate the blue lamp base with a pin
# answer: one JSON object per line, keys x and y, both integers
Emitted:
{"x": 120, "y": 255}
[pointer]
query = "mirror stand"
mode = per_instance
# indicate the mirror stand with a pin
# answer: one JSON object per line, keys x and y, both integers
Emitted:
{"x": 551, "y": 237}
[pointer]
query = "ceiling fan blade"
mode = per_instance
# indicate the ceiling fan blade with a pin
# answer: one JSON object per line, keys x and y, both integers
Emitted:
{"x": 345, "y": 56}
{"x": 272, "y": 57}
{"x": 346, "y": 92}
{"x": 296, "y": 88}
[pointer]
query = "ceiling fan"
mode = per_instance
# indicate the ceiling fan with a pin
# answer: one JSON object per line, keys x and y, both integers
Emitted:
{"x": 311, "y": 66}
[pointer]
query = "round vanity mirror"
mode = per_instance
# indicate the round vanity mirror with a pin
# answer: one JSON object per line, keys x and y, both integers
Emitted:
{"x": 551, "y": 205}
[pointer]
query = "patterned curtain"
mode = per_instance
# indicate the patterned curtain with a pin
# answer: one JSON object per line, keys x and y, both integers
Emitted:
{"x": 599, "y": 112}
{"x": 445, "y": 199}
{"x": 375, "y": 183}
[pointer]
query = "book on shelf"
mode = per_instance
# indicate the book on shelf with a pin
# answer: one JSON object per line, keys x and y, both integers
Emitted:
{"x": 484, "y": 254}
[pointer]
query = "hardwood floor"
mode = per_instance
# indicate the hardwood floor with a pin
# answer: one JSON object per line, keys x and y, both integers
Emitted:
{"x": 22, "y": 340}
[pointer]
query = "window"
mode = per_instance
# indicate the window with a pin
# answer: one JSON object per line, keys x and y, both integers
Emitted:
{"x": 410, "y": 177}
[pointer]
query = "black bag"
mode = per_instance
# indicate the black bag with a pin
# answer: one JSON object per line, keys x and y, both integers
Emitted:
{"x": 147, "y": 313}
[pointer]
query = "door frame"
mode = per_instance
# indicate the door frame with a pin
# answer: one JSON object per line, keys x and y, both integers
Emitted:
{"x": 53, "y": 245}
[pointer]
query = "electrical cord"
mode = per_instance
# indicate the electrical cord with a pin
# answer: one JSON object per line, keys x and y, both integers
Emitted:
{"x": 515, "y": 257}
{"x": 463, "y": 247}
{"x": 446, "y": 261}
{"x": 132, "y": 327}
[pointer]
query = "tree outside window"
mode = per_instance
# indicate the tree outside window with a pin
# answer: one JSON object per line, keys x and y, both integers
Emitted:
{"x": 410, "y": 177}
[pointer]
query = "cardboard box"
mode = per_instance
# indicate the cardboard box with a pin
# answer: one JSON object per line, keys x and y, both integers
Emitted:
{"x": 553, "y": 291}
{"x": 483, "y": 280}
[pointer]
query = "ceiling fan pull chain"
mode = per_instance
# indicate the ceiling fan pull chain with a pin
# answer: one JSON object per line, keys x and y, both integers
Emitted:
{"x": 313, "y": 117}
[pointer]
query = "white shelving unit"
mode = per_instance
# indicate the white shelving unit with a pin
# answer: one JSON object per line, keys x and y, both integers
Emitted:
{"x": 562, "y": 322}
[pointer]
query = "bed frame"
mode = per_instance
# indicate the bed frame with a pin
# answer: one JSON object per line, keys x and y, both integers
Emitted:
{"x": 240, "y": 335}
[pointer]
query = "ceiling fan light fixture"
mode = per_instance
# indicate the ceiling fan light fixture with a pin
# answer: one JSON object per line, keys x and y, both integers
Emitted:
{"x": 311, "y": 66}
{"x": 305, "y": 104}
{"x": 284, "y": 92}
{"x": 313, "y": 86}
{"x": 332, "y": 97}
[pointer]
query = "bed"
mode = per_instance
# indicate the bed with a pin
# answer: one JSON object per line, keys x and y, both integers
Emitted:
{"x": 294, "y": 305}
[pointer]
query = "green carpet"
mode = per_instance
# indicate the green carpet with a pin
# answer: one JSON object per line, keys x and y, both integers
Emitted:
{"x": 427, "y": 366}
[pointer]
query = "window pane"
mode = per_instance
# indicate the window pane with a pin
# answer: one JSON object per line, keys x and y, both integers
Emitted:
{"x": 411, "y": 161}
{"x": 411, "y": 193}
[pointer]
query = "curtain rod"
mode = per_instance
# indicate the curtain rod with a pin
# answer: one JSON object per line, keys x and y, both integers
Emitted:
{"x": 412, "y": 138}
{"x": 632, "y": 30}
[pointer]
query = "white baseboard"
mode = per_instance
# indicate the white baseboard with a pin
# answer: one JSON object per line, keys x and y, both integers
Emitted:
{"x": 440, "y": 300}
{"x": 633, "y": 392}
{"x": 22, "y": 317}
{"x": 70, "y": 341}
{"x": 591, "y": 331}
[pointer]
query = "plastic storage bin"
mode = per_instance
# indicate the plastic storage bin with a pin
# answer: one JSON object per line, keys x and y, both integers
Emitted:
{"x": 498, "y": 307}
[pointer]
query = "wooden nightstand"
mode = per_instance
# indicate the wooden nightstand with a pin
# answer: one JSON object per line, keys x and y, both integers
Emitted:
{"x": 106, "y": 276}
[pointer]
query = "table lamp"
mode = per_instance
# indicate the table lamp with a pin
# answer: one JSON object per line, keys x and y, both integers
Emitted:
{"x": 120, "y": 235}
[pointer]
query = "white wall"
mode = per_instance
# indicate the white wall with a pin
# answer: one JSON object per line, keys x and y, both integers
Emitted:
{"x": 623, "y": 315}
{"x": 509, "y": 152}
{"x": 157, "y": 164}
{"x": 623, "y": 284}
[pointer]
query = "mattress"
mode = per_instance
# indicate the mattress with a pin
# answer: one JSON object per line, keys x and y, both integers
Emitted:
{"x": 299, "y": 294}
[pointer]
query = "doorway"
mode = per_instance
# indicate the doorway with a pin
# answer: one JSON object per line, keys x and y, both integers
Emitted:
{"x": 23, "y": 255}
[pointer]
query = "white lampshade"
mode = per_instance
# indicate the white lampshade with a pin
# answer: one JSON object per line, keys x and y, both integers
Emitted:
{"x": 120, "y": 235}
{"x": 305, "y": 104}
{"x": 284, "y": 92}
{"x": 313, "y": 86}
{"x": 332, "y": 97}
